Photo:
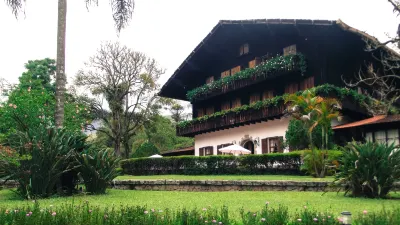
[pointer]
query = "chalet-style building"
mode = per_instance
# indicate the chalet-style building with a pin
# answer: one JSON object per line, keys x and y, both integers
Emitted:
{"x": 236, "y": 76}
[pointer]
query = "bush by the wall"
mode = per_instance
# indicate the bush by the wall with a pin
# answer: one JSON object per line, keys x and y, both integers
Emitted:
{"x": 276, "y": 163}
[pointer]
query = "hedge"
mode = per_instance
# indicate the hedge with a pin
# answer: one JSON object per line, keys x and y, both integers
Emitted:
{"x": 275, "y": 163}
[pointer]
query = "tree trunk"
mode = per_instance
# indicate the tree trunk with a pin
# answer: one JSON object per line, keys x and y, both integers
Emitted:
{"x": 60, "y": 72}
{"x": 117, "y": 146}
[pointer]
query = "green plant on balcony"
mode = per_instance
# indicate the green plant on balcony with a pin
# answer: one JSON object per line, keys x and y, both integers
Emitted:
{"x": 324, "y": 90}
{"x": 276, "y": 64}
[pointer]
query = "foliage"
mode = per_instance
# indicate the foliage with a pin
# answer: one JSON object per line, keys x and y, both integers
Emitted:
{"x": 323, "y": 90}
{"x": 97, "y": 169}
{"x": 369, "y": 170}
{"x": 86, "y": 213}
{"x": 272, "y": 66}
{"x": 45, "y": 155}
{"x": 276, "y": 163}
{"x": 32, "y": 104}
{"x": 161, "y": 132}
{"x": 316, "y": 162}
{"x": 145, "y": 150}
{"x": 296, "y": 136}
{"x": 127, "y": 80}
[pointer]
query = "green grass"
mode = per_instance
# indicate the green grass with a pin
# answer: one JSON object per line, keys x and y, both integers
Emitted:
{"x": 224, "y": 177}
{"x": 251, "y": 201}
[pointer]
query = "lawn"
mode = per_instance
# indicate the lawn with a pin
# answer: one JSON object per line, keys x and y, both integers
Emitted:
{"x": 224, "y": 177}
{"x": 251, "y": 201}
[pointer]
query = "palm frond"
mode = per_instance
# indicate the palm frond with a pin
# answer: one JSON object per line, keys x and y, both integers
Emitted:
{"x": 16, "y": 6}
{"x": 122, "y": 11}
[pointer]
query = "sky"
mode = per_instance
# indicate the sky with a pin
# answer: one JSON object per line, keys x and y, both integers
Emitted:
{"x": 165, "y": 30}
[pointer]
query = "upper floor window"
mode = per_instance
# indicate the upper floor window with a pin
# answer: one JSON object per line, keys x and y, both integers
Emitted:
{"x": 291, "y": 88}
{"x": 268, "y": 94}
{"x": 210, "y": 110}
{"x": 209, "y": 80}
{"x": 226, "y": 73}
{"x": 307, "y": 83}
{"x": 289, "y": 50}
{"x": 244, "y": 49}
{"x": 236, "y": 103}
{"x": 225, "y": 105}
{"x": 254, "y": 98}
{"x": 255, "y": 62}
{"x": 235, "y": 70}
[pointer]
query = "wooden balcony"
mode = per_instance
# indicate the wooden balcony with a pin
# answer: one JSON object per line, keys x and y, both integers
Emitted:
{"x": 231, "y": 120}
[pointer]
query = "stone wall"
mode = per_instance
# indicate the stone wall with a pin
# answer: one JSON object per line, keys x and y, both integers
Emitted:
{"x": 220, "y": 185}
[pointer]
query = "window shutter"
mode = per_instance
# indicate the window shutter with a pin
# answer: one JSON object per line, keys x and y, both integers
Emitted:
{"x": 268, "y": 94}
{"x": 235, "y": 70}
{"x": 307, "y": 83}
{"x": 200, "y": 112}
{"x": 218, "y": 147}
{"x": 210, "y": 110}
{"x": 201, "y": 151}
{"x": 264, "y": 146}
{"x": 209, "y": 80}
{"x": 236, "y": 103}
{"x": 226, "y": 73}
{"x": 226, "y": 105}
{"x": 209, "y": 150}
{"x": 255, "y": 62}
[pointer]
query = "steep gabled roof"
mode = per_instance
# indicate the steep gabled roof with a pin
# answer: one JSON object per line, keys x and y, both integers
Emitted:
{"x": 175, "y": 88}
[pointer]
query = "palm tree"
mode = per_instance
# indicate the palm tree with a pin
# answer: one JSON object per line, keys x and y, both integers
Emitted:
{"x": 122, "y": 11}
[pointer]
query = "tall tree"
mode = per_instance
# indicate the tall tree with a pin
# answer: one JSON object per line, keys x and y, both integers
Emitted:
{"x": 122, "y": 11}
{"x": 127, "y": 80}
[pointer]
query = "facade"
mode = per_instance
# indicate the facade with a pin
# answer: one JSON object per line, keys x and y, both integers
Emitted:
{"x": 236, "y": 76}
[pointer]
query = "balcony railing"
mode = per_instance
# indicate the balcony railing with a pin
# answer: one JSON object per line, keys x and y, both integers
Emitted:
{"x": 232, "y": 119}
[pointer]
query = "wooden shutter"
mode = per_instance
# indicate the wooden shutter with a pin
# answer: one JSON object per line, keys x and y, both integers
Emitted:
{"x": 201, "y": 151}
{"x": 218, "y": 147}
{"x": 235, "y": 70}
{"x": 210, "y": 110}
{"x": 200, "y": 112}
{"x": 268, "y": 94}
{"x": 226, "y": 105}
{"x": 264, "y": 146}
{"x": 226, "y": 73}
{"x": 290, "y": 50}
{"x": 255, "y": 62}
{"x": 291, "y": 88}
{"x": 307, "y": 83}
{"x": 254, "y": 98}
{"x": 209, "y": 80}
{"x": 236, "y": 103}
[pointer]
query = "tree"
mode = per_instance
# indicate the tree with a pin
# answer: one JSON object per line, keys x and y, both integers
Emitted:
{"x": 381, "y": 77}
{"x": 127, "y": 80}
{"x": 177, "y": 112}
{"x": 122, "y": 11}
{"x": 32, "y": 103}
{"x": 145, "y": 150}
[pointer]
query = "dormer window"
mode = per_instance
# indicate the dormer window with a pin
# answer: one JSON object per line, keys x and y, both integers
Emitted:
{"x": 244, "y": 49}
{"x": 209, "y": 80}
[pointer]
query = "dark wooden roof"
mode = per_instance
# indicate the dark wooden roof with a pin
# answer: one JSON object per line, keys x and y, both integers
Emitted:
{"x": 210, "y": 47}
{"x": 182, "y": 151}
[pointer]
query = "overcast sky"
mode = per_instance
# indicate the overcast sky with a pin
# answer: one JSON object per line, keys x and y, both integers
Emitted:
{"x": 167, "y": 30}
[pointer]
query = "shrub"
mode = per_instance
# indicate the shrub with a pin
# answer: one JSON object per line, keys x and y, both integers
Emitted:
{"x": 97, "y": 169}
{"x": 319, "y": 163}
{"x": 369, "y": 169}
{"x": 145, "y": 150}
{"x": 275, "y": 163}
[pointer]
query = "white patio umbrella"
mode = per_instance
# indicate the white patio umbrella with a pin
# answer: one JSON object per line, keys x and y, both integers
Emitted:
{"x": 234, "y": 149}
{"x": 156, "y": 156}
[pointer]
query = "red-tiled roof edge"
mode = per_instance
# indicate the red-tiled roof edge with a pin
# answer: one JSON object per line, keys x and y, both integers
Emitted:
{"x": 369, "y": 121}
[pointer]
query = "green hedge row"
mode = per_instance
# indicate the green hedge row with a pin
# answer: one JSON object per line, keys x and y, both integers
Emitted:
{"x": 276, "y": 163}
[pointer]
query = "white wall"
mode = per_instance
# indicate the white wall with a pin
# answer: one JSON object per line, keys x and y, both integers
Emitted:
{"x": 271, "y": 128}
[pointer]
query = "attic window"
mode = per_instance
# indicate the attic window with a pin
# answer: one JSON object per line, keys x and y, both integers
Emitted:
{"x": 244, "y": 49}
